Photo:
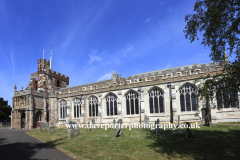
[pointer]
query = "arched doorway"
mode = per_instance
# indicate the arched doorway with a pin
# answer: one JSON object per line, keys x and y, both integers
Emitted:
{"x": 23, "y": 122}
{"x": 38, "y": 119}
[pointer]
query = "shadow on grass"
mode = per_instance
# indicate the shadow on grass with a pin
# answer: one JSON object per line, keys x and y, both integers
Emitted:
{"x": 204, "y": 144}
{"x": 55, "y": 142}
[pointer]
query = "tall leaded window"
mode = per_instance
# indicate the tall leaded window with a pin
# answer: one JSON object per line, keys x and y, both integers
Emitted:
{"x": 132, "y": 103}
{"x": 188, "y": 99}
{"x": 93, "y": 106}
{"x": 156, "y": 101}
{"x": 77, "y": 107}
{"x": 226, "y": 100}
{"x": 111, "y": 104}
{"x": 63, "y": 109}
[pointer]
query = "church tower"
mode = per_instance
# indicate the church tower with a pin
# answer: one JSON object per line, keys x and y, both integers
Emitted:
{"x": 46, "y": 79}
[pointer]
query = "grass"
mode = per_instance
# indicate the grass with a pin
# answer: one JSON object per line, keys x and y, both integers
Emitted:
{"x": 216, "y": 142}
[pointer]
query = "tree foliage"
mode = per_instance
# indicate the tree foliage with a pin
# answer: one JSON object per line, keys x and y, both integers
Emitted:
{"x": 5, "y": 110}
{"x": 217, "y": 21}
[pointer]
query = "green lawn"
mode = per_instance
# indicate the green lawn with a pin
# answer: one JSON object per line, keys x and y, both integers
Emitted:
{"x": 216, "y": 142}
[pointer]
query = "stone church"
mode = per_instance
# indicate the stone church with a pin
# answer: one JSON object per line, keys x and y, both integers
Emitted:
{"x": 162, "y": 94}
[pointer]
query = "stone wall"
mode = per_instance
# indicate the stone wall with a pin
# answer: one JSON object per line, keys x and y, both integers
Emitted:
{"x": 38, "y": 103}
{"x": 227, "y": 114}
{"x": 121, "y": 101}
{"x": 30, "y": 100}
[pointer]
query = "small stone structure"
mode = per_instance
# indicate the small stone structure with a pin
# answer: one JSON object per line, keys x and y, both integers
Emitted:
{"x": 76, "y": 131}
{"x": 73, "y": 130}
{"x": 157, "y": 129}
{"x": 93, "y": 123}
{"x": 146, "y": 121}
{"x": 178, "y": 121}
{"x": 188, "y": 133}
{"x": 89, "y": 126}
{"x": 114, "y": 124}
{"x": 119, "y": 128}
{"x": 51, "y": 129}
{"x": 42, "y": 126}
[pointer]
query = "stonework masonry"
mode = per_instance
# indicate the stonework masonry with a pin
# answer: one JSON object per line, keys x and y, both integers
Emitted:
{"x": 48, "y": 98}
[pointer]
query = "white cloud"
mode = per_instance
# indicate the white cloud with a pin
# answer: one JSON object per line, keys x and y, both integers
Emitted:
{"x": 10, "y": 65}
{"x": 147, "y": 20}
{"x": 12, "y": 60}
{"x": 106, "y": 76}
{"x": 92, "y": 59}
{"x": 168, "y": 65}
{"x": 127, "y": 50}
{"x": 75, "y": 26}
{"x": 95, "y": 58}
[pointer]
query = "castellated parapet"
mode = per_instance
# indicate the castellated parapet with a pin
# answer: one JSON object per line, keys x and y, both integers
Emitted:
{"x": 190, "y": 72}
{"x": 43, "y": 68}
{"x": 39, "y": 93}
{"x": 47, "y": 78}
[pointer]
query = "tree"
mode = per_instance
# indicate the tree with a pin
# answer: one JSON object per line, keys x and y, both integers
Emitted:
{"x": 218, "y": 23}
{"x": 5, "y": 110}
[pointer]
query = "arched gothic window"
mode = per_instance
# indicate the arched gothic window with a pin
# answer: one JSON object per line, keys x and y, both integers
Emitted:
{"x": 93, "y": 106}
{"x": 156, "y": 101}
{"x": 77, "y": 103}
{"x": 111, "y": 104}
{"x": 132, "y": 103}
{"x": 225, "y": 100}
{"x": 188, "y": 99}
{"x": 63, "y": 109}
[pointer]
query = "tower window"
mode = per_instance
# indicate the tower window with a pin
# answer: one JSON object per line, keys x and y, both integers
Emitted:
{"x": 58, "y": 83}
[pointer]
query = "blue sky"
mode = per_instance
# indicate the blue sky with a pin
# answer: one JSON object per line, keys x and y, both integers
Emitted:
{"x": 91, "y": 39}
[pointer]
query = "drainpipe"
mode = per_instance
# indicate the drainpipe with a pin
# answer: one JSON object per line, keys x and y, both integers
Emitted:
{"x": 139, "y": 91}
{"x": 170, "y": 97}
